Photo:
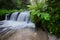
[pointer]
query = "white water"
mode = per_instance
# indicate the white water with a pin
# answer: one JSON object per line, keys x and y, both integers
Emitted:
{"x": 23, "y": 21}
{"x": 13, "y": 16}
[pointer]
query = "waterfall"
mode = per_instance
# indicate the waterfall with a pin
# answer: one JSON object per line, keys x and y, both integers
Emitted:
{"x": 21, "y": 17}
{"x": 24, "y": 16}
{"x": 19, "y": 20}
{"x": 15, "y": 22}
{"x": 14, "y": 16}
{"x": 7, "y": 16}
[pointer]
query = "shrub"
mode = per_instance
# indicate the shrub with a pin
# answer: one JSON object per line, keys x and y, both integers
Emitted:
{"x": 54, "y": 9}
{"x": 46, "y": 14}
{"x": 13, "y": 4}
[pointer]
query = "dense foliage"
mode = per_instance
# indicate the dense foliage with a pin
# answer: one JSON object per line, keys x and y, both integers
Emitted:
{"x": 13, "y": 4}
{"x": 7, "y": 6}
{"x": 46, "y": 14}
{"x": 54, "y": 9}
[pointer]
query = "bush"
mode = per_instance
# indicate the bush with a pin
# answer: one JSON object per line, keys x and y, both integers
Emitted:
{"x": 54, "y": 9}
{"x": 46, "y": 15}
{"x": 13, "y": 4}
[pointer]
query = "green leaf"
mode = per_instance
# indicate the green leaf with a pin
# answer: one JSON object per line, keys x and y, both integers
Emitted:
{"x": 45, "y": 16}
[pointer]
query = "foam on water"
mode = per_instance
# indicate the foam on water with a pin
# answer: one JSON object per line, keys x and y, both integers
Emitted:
{"x": 23, "y": 21}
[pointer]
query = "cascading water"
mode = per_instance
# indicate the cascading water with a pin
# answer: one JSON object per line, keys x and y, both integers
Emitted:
{"x": 24, "y": 16}
{"x": 12, "y": 16}
{"x": 7, "y": 16}
{"x": 18, "y": 21}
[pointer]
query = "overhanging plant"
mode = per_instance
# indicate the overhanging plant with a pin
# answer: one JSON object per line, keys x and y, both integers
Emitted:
{"x": 44, "y": 15}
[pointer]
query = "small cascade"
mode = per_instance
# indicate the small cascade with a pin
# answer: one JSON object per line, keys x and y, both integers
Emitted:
{"x": 22, "y": 16}
{"x": 14, "y": 16}
{"x": 7, "y": 16}
{"x": 19, "y": 20}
